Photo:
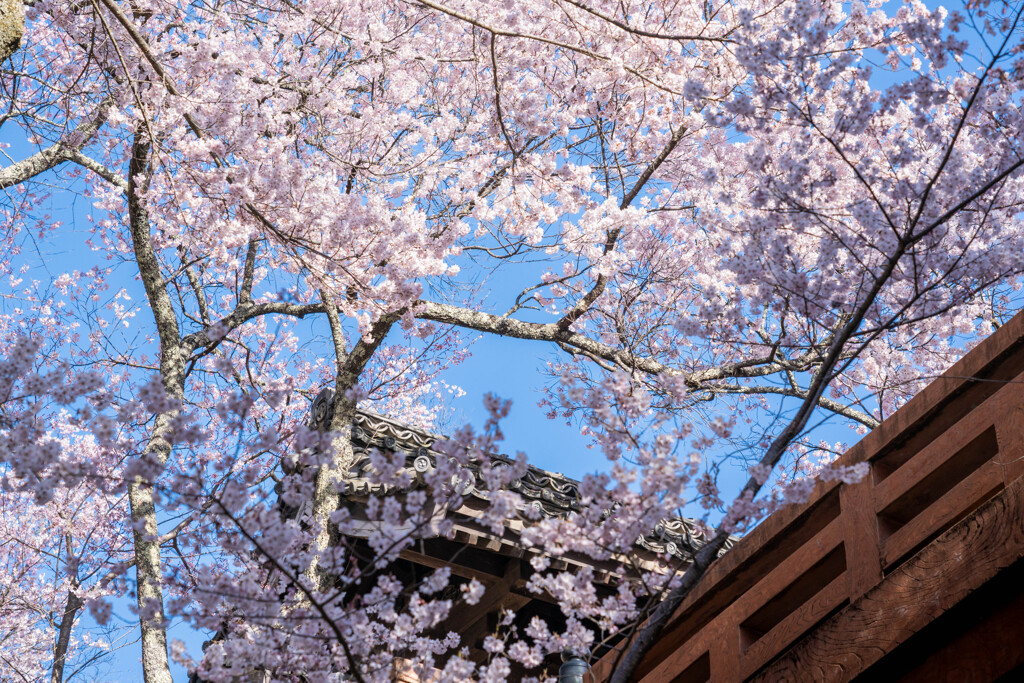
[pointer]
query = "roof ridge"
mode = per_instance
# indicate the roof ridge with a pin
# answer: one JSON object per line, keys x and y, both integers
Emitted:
{"x": 552, "y": 494}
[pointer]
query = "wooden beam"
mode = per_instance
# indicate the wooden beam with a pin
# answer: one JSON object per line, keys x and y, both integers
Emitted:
{"x": 485, "y": 625}
{"x": 978, "y": 641}
{"x": 919, "y": 591}
{"x": 456, "y": 568}
{"x": 811, "y": 533}
{"x": 468, "y": 615}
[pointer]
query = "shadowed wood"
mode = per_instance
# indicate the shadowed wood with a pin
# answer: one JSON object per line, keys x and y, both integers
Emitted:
{"x": 964, "y": 446}
{"x": 790, "y": 576}
{"x": 978, "y": 640}
{"x": 978, "y": 487}
{"x": 461, "y": 619}
{"x": 763, "y": 550}
{"x": 720, "y": 642}
{"x": 698, "y": 672}
{"x": 958, "y": 562}
{"x": 456, "y": 568}
{"x": 794, "y": 625}
{"x": 756, "y": 607}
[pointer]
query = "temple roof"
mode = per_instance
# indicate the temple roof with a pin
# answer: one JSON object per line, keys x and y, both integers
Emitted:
{"x": 550, "y": 493}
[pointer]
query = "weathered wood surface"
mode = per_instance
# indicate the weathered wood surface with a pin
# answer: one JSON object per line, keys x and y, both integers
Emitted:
{"x": 972, "y": 379}
{"x": 720, "y": 642}
{"x": 971, "y": 439}
{"x": 762, "y": 551}
{"x": 1010, "y": 435}
{"x": 788, "y": 575}
{"x": 947, "y": 570}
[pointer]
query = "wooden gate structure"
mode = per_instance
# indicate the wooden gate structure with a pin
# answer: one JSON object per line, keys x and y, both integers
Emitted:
{"x": 913, "y": 574}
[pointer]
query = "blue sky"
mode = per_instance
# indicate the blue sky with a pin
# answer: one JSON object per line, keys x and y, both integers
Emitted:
{"x": 512, "y": 369}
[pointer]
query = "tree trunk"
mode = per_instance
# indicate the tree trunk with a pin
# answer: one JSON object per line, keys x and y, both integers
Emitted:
{"x": 325, "y": 492}
{"x": 149, "y": 588}
{"x": 150, "y": 597}
{"x": 12, "y": 26}
{"x": 67, "y": 621}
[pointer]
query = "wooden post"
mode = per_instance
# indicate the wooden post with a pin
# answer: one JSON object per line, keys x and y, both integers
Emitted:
{"x": 1010, "y": 437}
{"x": 860, "y": 532}
{"x": 724, "y": 651}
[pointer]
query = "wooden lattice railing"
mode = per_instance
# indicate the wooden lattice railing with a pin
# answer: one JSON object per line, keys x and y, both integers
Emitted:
{"x": 933, "y": 464}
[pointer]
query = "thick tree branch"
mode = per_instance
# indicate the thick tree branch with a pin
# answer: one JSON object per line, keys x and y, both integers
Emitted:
{"x": 67, "y": 149}
{"x": 551, "y": 332}
{"x": 67, "y": 622}
{"x": 211, "y": 335}
{"x": 99, "y": 169}
{"x": 245, "y": 294}
{"x": 12, "y": 26}
{"x": 331, "y": 477}
{"x": 155, "y": 664}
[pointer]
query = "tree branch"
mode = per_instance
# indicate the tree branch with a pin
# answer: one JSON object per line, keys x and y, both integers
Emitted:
{"x": 796, "y": 392}
{"x": 67, "y": 621}
{"x": 67, "y": 149}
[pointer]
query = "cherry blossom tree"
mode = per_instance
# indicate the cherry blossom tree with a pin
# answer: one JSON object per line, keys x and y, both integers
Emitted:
{"x": 707, "y": 211}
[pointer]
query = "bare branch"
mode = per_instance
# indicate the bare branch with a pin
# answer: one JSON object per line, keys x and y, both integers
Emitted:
{"x": 67, "y": 149}
{"x": 640, "y": 32}
{"x": 796, "y": 392}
